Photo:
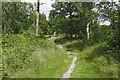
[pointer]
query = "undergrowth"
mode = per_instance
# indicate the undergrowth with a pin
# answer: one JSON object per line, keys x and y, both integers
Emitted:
{"x": 29, "y": 56}
{"x": 46, "y": 62}
{"x": 95, "y": 60}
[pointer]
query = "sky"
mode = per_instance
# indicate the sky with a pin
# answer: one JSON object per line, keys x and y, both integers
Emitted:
{"x": 45, "y": 8}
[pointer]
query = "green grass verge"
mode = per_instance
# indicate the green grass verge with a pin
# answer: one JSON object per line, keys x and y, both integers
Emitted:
{"x": 31, "y": 56}
{"x": 95, "y": 65}
{"x": 45, "y": 62}
{"x": 93, "y": 62}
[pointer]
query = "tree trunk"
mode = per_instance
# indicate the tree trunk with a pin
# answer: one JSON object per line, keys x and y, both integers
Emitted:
{"x": 37, "y": 20}
{"x": 87, "y": 30}
{"x": 88, "y": 33}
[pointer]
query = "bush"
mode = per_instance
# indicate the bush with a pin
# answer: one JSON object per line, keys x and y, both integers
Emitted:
{"x": 17, "y": 48}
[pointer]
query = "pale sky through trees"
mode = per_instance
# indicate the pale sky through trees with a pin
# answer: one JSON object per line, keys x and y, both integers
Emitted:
{"x": 45, "y": 8}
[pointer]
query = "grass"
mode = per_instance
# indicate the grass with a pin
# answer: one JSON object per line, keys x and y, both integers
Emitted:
{"x": 49, "y": 61}
{"x": 97, "y": 67}
{"x": 0, "y": 66}
{"x": 72, "y": 44}
{"x": 93, "y": 62}
{"x": 30, "y": 56}
{"x": 46, "y": 62}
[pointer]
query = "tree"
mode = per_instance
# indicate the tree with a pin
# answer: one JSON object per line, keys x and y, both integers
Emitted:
{"x": 37, "y": 20}
{"x": 72, "y": 13}
{"x": 16, "y": 17}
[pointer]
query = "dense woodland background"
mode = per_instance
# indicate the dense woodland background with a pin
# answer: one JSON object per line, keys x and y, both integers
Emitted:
{"x": 68, "y": 19}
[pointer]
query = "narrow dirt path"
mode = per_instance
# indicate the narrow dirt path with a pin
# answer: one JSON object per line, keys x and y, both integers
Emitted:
{"x": 71, "y": 68}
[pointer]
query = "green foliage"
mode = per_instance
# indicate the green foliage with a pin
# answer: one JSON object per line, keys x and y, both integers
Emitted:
{"x": 67, "y": 18}
{"x": 74, "y": 17}
{"x": 27, "y": 51}
{"x": 110, "y": 34}
{"x": 43, "y": 24}
{"x": 95, "y": 61}
{"x": 17, "y": 49}
{"x": 19, "y": 38}
{"x": 16, "y": 16}
{"x": 48, "y": 61}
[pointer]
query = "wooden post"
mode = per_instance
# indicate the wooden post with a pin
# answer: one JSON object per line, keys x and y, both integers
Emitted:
{"x": 37, "y": 20}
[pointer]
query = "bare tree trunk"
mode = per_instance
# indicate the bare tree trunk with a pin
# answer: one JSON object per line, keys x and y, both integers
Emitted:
{"x": 88, "y": 33}
{"x": 37, "y": 20}
{"x": 54, "y": 33}
{"x": 87, "y": 30}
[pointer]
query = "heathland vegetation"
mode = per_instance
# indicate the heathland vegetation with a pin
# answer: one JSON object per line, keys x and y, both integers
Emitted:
{"x": 74, "y": 25}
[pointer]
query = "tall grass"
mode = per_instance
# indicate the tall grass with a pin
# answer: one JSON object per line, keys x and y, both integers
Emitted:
{"x": 94, "y": 64}
{"x": 95, "y": 60}
{"x": 46, "y": 63}
{"x": 30, "y": 56}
